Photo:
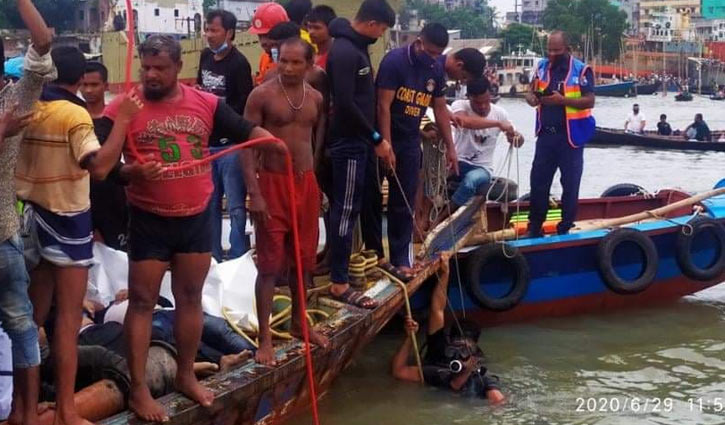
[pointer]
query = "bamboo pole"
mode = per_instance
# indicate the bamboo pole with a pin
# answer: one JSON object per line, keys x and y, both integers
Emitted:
{"x": 508, "y": 234}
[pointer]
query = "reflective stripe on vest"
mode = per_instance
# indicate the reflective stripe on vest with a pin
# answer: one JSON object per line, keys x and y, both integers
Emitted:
{"x": 580, "y": 124}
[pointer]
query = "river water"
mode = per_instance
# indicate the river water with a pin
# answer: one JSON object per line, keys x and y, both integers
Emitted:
{"x": 663, "y": 365}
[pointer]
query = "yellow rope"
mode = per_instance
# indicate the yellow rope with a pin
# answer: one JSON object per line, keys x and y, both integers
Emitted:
{"x": 237, "y": 329}
{"x": 408, "y": 311}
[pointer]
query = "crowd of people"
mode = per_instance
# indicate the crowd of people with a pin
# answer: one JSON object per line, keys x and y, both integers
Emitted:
{"x": 346, "y": 127}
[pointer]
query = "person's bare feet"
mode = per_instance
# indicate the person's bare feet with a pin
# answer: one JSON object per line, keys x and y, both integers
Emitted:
{"x": 190, "y": 387}
{"x": 229, "y": 361}
{"x": 145, "y": 407}
{"x": 204, "y": 369}
{"x": 265, "y": 354}
{"x": 316, "y": 338}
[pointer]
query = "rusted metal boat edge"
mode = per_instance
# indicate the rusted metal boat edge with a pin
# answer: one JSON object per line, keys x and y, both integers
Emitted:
{"x": 255, "y": 394}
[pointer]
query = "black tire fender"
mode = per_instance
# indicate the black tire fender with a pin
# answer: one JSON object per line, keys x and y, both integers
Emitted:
{"x": 495, "y": 252}
{"x": 624, "y": 189}
{"x": 685, "y": 238}
{"x": 609, "y": 275}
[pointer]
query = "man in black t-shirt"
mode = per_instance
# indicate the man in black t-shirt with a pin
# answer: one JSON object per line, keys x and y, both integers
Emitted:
{"x": 225, "y": 72}
{"x": 663, "y": 127}
{"x": 109, "y": 213}
{"x": 453, "y": 359}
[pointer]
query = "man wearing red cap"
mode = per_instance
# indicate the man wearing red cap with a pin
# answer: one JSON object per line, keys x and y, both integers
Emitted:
{"x": 265, "y": 18}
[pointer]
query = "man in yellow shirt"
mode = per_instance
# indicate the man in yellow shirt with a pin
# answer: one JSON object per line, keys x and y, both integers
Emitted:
{"x": 59, "y": 155}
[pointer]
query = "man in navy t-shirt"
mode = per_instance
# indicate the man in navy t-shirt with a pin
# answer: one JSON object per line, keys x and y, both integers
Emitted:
{"x": 410, "y": 80}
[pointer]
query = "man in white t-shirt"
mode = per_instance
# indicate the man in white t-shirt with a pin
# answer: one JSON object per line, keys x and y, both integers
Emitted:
{"x": 479, "y": 124}
{"x": 636, "y": 121}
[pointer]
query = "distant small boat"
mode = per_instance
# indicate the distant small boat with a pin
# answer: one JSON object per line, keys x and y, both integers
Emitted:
{"x": 624, "y": 89}
{"x": 717, "y": 97}
{"x": 647, "y": 89}
{"x": 613, "y": 137}
{"x": 684, "y": 97}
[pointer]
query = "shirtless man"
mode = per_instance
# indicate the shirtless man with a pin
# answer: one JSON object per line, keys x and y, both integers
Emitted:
{"x": 292, "y": 110}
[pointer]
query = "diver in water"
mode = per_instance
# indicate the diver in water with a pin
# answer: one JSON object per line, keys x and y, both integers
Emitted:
{"x": 453, "y": 358}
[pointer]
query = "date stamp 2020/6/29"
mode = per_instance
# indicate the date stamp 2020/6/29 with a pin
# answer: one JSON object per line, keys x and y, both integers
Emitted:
{"x": 648, "y": 404}
{"x": 624, "y": 404}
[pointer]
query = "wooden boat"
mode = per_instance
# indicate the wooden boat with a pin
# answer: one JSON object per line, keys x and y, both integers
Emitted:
{"x": 624, "y": 89}
{"x": 652, "y": 140}
{"x": 256, "y": 394}
{"x": 717, "y": 97}
{"x": 592, "y": 269}
{"x": 648, "y": 89}
{"x": 684, "y": 97}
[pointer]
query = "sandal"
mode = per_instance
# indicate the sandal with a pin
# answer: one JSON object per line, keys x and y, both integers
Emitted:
{"x": 396, "y": 272}
{"x": 355, "y": 298}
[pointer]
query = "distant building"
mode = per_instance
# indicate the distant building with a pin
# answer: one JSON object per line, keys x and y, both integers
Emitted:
{"x": 709, "y": 29}
{"x": 631, "y": 8}
{"x": 532, "y": 12}
{"x": 454, "y": 4}
{"x": 666, "y": 20}
{"x": 713, "y": 9}
{"x": 242, "y": 9}
{"x": 177, "y": 17}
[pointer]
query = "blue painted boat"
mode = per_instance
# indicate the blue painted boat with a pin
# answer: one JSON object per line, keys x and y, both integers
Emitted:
{"x": 652, "y": 261}
{"x": 624, "y": 89}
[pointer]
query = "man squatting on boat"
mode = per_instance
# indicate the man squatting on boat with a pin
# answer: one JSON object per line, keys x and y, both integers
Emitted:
{"x": 162, "y": 125}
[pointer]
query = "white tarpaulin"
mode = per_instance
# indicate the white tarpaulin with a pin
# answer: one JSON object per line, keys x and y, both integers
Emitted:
{"x": 229, "y": 284}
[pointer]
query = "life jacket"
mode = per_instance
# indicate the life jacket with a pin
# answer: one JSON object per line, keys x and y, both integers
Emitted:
{"x": 266, "y": 64}
{"x": 580, "y": 123}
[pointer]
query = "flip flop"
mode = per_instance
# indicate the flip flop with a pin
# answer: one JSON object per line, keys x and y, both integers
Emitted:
{"x": 396, "y": 272}
{"x": 355, "y": 298}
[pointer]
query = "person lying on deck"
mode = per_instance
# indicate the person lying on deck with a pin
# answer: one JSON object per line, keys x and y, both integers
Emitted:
{"x": 220, "y": 345}
{"x": 453, "y": 359}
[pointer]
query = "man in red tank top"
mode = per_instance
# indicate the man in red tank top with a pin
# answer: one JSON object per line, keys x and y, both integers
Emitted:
{"x": 169, "y": 216}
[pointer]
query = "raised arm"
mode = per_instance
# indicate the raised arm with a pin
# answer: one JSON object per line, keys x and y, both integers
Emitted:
{"x": 440, "y": 297}
{"x": 106, "y": 158}
{"x": 39, "y": 32}
{"x": 400, "y": 368}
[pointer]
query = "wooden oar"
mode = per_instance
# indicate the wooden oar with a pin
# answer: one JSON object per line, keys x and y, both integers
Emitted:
{"x": 508, "y": 234}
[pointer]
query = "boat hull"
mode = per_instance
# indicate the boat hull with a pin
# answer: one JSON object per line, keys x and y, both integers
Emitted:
{"x": 608, "y": 137}
{"x": 565, "y": 281}
{"x": 564, "y": 277}
{"x": 615, "y": 90}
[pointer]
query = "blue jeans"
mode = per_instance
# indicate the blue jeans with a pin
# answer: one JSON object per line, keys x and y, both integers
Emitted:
{"x": 16, "y": 311}
{"x": 217, "y": 338}
{"x": 471, "y": 178}
{"x": 228, "y": 179}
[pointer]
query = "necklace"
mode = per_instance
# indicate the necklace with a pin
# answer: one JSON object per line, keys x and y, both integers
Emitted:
{"x": 289, "y": 101}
